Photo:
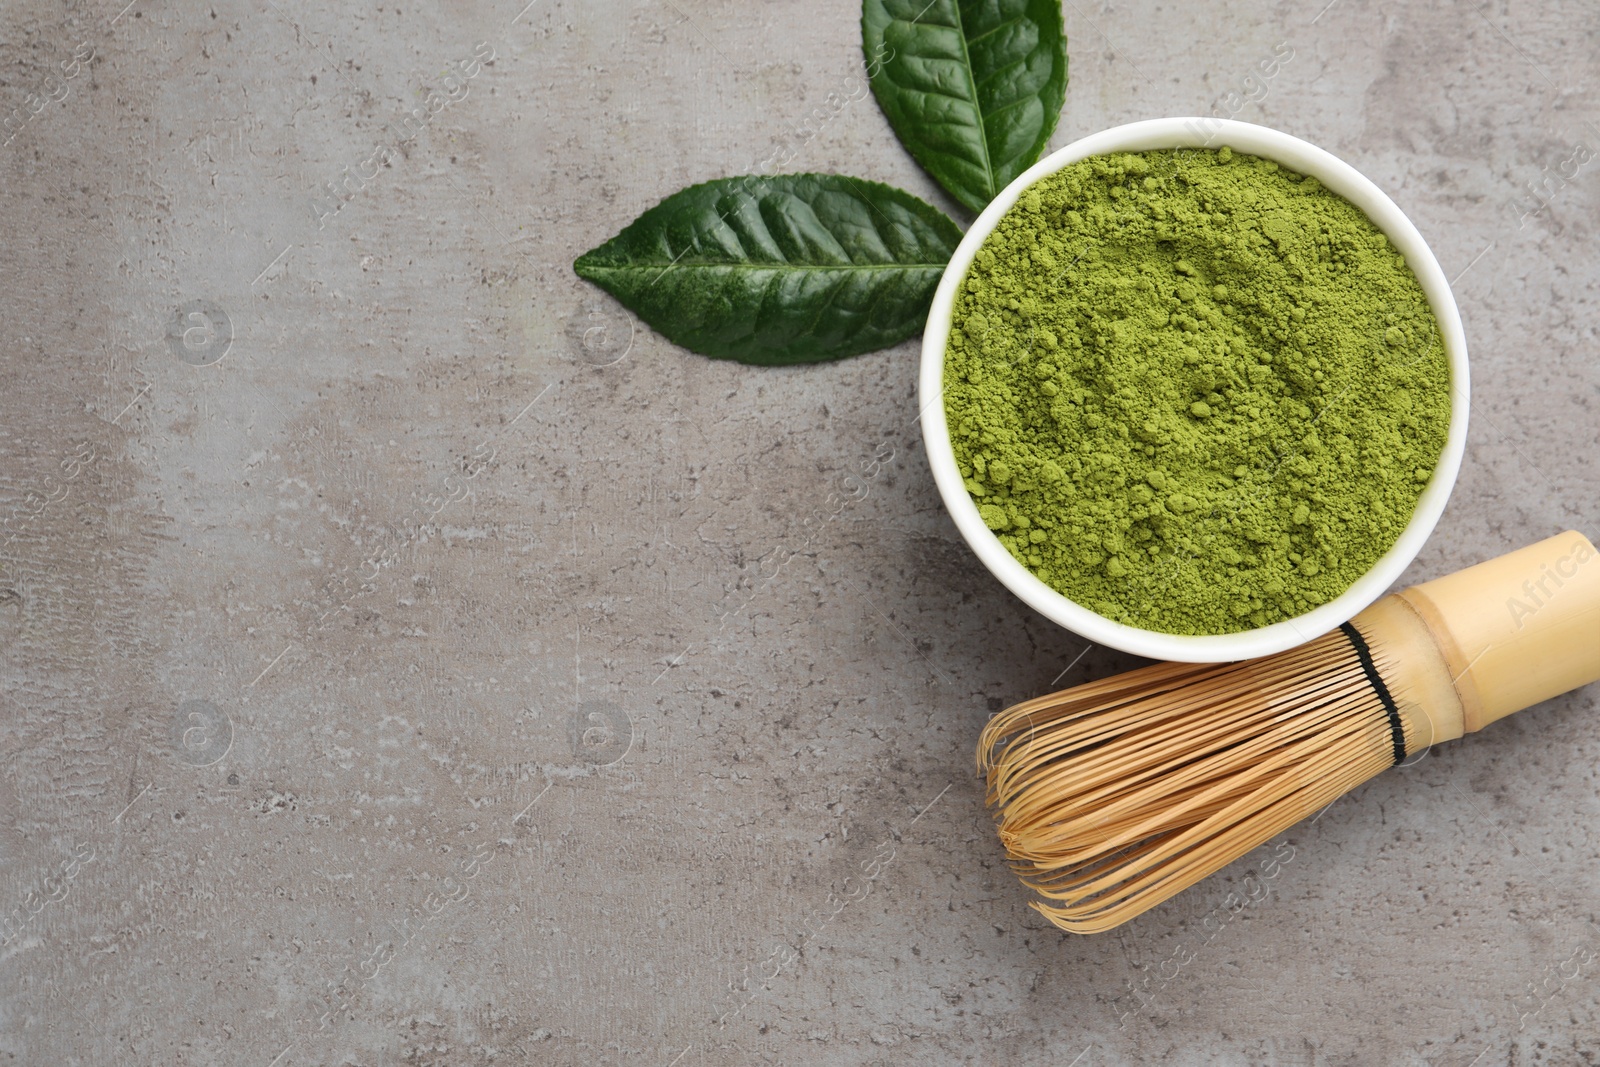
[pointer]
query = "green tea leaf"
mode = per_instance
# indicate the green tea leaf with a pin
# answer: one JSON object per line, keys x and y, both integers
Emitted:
{"x": 972, "y": 87}
{"x": 792, "y": 268}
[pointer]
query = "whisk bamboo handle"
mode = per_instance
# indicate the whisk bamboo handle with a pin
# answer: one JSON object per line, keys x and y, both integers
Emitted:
{"x": 1477, "y": 645}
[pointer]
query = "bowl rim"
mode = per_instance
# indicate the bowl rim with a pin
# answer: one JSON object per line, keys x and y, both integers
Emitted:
{"x": 1295, "y": 154}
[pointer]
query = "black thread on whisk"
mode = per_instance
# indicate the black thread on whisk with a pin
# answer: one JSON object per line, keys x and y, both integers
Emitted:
{"x": 1397, "y": 730}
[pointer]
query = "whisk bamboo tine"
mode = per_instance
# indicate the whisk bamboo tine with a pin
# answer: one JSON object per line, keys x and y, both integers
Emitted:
{"x": 1112, "y": 796}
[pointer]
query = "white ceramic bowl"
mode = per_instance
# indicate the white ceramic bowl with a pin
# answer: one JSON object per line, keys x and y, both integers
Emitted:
{"x": 1297, "y": 155}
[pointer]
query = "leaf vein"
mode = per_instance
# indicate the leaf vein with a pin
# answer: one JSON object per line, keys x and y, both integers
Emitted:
{"x": 972, "y": 80}
{"x": 624, "y": 268}
{"x": 996, "y": 29}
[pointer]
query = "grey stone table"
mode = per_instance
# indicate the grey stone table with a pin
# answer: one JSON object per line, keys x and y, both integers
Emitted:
{"x": 398, "y": 667}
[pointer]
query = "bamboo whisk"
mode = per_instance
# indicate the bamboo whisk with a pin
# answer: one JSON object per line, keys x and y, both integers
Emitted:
{"x": 1115, "y": 795}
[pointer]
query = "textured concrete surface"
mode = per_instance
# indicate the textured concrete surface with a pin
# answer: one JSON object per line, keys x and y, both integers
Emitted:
{"x": 397, "y": 666}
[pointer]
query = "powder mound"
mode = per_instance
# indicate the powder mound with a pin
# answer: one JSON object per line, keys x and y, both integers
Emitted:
{"x": 1193, "y": 391}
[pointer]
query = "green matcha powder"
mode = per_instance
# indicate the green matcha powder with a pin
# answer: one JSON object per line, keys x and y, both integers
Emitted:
{"x": 1194, "y": 392}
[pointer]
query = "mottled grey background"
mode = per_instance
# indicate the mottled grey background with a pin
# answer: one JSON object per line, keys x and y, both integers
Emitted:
{"x": 397, "y": 668}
